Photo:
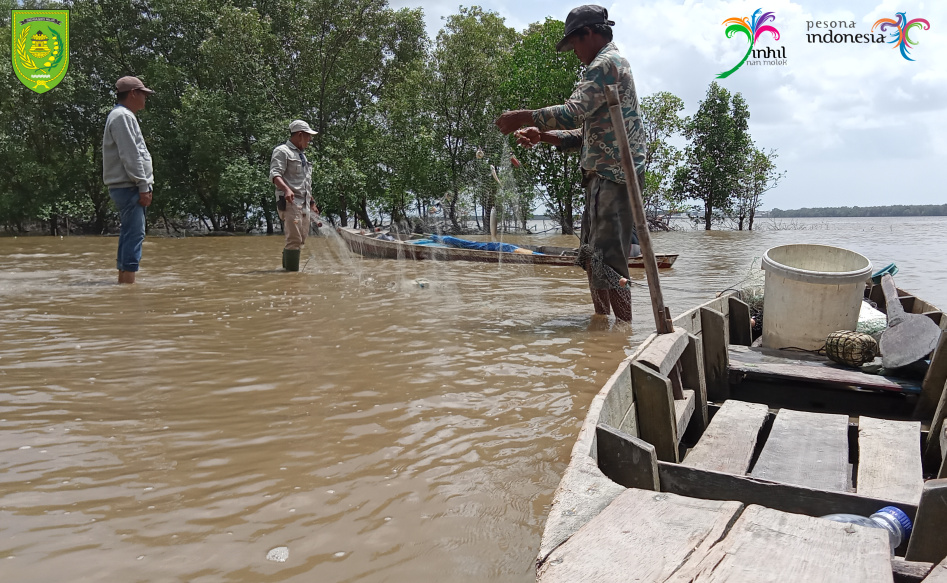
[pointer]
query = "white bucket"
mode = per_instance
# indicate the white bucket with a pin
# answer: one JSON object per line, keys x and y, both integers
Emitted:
{"x": 811, "y": 291}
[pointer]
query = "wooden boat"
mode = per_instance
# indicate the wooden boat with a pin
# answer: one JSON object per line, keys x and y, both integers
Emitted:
{"x": 727, "y": 481}
{"x": 370, "y": 245}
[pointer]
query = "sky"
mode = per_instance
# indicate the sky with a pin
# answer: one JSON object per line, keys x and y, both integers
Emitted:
{"x": 852, "y": 124}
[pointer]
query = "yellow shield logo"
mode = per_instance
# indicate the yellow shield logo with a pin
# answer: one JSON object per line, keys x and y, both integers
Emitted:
{"x": 40, "y": 47}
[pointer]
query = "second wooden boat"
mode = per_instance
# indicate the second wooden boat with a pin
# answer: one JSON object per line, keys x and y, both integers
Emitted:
{"x": 410, "y": 247}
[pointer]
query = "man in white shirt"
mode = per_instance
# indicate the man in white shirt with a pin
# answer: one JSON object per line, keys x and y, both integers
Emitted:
{"x": 291, "y": 172}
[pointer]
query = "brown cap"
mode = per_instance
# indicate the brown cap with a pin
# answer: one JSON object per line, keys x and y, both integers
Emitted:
{"x": 128, "y": 83}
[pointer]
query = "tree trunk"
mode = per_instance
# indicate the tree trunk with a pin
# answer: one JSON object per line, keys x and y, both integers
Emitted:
{"x": 363, "y": 214}
{"x": 267, "y": 214}
{"x": 568, "y": 226}
{"x": 708, "y": 212}
{"x": 752, "y": 214}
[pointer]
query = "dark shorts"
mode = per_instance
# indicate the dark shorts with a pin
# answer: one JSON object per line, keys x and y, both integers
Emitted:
{"x": 607, "y": 225}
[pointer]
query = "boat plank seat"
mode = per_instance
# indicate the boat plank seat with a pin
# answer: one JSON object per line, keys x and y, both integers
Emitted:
{"x": 807, "y": 449}
{"x": 635, "y": 529}
{"x": 729, "y": 442}
{"x": 938, "y": 574}
{"x": 889, "y": 460}
{"x": 658, "y": 536}
{"x": 770, "y": 545}
{"x": 768, "y": 364}
{"x": 684, "y": 410}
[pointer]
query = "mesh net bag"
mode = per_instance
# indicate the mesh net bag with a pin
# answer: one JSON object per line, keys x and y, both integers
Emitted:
{"x": 593, "y": 258}
{"x": 850, "y": 348}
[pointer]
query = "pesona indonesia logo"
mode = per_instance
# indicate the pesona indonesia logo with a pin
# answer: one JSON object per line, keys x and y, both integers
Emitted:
{"x": 846, "y": 32}
{"x": 902, "y": 28}
{"x": 753, "y": 29}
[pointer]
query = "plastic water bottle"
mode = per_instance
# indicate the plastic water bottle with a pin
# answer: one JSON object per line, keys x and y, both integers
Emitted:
{"x": 889, "y": 518}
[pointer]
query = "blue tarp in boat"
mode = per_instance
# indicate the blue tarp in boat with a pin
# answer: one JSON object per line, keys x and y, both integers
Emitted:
{"x": 465, "y": 244}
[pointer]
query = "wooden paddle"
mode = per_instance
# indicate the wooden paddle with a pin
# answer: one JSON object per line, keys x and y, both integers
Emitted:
{"x": 908, "y": 337}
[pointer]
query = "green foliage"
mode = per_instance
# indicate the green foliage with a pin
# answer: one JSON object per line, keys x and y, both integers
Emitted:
{"x": 759, "y": 175}
{"x": 400, "y": 117}
{"x": 661, "y": 113}
{"x": 719, "y": 145}
{"x": 537, "y": 76}
{"x": 465, "y": 75}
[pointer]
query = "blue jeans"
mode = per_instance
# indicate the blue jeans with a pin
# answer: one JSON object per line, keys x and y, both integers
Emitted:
{"x": 132, "y": 234}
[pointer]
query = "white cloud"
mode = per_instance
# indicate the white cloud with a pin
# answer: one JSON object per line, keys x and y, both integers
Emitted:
{"x": 847, "y": 119}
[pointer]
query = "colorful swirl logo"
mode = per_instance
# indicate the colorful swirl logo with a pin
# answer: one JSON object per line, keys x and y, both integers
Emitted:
{"x": 899, "y": 36}
{"x": 752, "y": 29}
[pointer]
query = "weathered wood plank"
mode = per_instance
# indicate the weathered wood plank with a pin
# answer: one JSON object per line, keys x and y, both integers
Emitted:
{"x": 806, "y": 449}
{"x": 942, "y": 472}
{"x": 741, "y": 333}
{"x": 581, "y": 495}
{"x": 691, "y": 321}
{"x": 889, "y": 459}
{"x": 938, "y": 574}
{"x": 910, "y": 571}
{"x": 907, "y": 302}
{"x": 656, "y": 417}
{"x": 933, "y": 454}
{"x": 664, "y": 351}
{"x": 698, "y": 483}
{"x": 730, "y": 440}
{"x": 714, "y": 336}
{"x": 683, "y": 411}
{"x": 927, "y": 542}
{"x": 769, "y": 545}
{"x": 619, "y": 400}
{"x": 627, "y": 460}
{"x": 641, "y": 536}
{"x": 692, "y": 376}
{"x": 936, "y": 316}
{"x": 757, "y": 363}
{"x": 933, "y": 385}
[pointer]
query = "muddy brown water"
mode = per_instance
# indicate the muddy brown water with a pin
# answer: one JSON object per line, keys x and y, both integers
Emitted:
{"x": 383, "y": 420}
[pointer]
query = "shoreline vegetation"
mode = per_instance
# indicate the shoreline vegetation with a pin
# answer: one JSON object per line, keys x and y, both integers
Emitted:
{"x": 898, "y": 210}
{"x": 405, "y": 121}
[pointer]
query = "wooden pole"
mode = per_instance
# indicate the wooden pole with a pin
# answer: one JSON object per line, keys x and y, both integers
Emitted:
{"x": 662, "y": 319}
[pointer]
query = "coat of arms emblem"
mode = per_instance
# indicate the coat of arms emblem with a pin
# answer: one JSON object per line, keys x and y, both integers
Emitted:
{"x": 40, "y": 47}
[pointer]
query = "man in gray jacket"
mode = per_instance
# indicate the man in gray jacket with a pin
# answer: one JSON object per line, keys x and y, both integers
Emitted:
{"x": 128, "y": 173}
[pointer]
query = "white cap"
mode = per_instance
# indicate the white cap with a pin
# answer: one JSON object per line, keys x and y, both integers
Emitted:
{"x": 301, "y": 126}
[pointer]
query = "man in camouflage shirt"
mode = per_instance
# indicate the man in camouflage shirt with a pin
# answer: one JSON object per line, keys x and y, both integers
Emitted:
{"x": 583, "y": 122}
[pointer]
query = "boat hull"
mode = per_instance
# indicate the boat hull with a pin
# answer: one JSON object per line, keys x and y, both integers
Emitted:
{"x": 367, "y": 245}
{"x": 636, "y": 418}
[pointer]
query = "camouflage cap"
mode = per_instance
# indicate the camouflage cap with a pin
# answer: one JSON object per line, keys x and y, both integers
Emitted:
{"x": 579, "y": 18}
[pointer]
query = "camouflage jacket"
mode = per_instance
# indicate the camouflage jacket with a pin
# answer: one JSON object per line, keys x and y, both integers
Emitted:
{"x": 583, "y": 120}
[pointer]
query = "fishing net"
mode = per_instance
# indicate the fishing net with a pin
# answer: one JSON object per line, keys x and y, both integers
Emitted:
{"x": 850, "y": 348}
{"x": 589, "y": 258}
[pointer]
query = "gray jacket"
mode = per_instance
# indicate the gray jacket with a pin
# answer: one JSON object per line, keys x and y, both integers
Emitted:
{"x": 125, "y": 157}
{"x": 290, "y": 163}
